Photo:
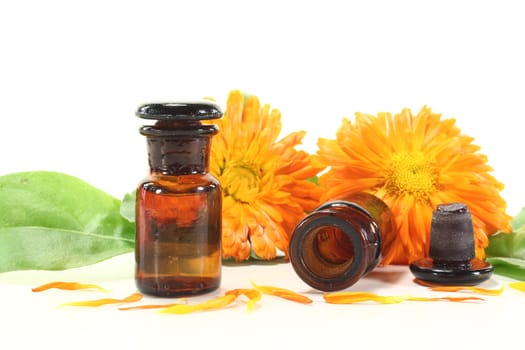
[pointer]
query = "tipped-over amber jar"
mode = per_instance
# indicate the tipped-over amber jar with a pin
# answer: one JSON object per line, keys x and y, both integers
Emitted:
{"x": 178, "y": 209}
{"x": 340, "y": 242}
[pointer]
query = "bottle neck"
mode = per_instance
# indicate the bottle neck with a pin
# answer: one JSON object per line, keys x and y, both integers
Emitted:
{"x": 180, "y": 155}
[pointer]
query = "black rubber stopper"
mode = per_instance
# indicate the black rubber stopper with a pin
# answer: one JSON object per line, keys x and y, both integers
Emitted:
{"x": 452, "y": 250}
{"x": 451, "y": 234}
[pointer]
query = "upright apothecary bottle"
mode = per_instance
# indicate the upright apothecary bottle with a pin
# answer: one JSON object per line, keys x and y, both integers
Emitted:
{"x": 340, "y": 242}
{"x": 178, "y": 209}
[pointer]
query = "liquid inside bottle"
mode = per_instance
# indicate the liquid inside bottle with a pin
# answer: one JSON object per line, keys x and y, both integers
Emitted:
{"x": 179, "y": 246}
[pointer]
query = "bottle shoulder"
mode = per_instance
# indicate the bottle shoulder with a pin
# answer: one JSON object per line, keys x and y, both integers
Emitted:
{"x": 165, "y": 184}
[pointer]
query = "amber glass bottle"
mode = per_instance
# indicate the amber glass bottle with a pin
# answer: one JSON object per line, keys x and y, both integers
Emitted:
{"x": 340, "y": 242}
{"x": 178, "y": 209}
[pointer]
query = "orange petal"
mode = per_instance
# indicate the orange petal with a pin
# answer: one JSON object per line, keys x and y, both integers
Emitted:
{"x": 99, "y": 302}
{"x": 446, "y": 288}
{"x": 212, "y": 304}
{"x": 358, "y": 297}
{"x": 518, "y": 286}
{"x": 67, "y": 286}
{"x": 283, "y": 293}
{"x": 453, "y": 299}
{"x": 149, "y": 306}
{"x": 252, "y": 294}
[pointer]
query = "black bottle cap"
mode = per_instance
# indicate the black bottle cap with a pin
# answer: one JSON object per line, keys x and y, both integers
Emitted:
{"x": 452, "y": 251}
{"x": 180, "y": 111}
{"x": 451, "y": 234}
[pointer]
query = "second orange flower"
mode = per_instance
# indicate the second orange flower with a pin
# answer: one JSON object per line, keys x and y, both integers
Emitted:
{"x": 264, "y": 179}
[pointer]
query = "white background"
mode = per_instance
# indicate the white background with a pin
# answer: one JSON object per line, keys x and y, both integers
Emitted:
{"x": 72, "y": 74}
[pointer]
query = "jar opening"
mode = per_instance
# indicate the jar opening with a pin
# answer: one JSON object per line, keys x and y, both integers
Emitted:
{"x": 337, "y": 244}
{"x": 327, "y": 251}
{"x": 334, "y": 246}
{"x": 332, "y": 252}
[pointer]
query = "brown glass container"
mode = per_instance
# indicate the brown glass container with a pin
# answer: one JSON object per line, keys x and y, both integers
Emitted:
{"x": 340, "y": 242}
{"x": 178, "y": 208}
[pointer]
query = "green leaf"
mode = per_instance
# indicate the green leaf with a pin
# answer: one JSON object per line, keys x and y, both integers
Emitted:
{"x": 127, "y": 208}
{"x": 519, "y": 220}
{"x": 55, "y": 221}
{"x": 506, "y": 251}
{"x": 510, "y": 267}
{"x": 42, "y": 248}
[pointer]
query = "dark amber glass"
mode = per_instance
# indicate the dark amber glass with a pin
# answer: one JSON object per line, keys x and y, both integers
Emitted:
{"x": 340, "y": 242}
{"x": 178, "y": 212}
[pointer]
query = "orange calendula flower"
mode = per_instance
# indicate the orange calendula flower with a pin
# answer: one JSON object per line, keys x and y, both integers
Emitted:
{"x": 265, "y": 184}
{"x": 413, "y": 163}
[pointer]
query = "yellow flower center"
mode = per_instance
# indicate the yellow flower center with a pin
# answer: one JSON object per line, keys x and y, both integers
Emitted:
{"x": 242, "y": 181}
{"x": 410, "y": 173}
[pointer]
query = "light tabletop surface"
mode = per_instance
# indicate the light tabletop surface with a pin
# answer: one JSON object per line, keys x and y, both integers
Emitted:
{"x": 35, "y": 320}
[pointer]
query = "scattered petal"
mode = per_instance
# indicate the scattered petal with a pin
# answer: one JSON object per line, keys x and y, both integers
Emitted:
{"x": 453, "y": 299}
{"x": 476, "y": 290}
{"x": 99, "y": 302}
{"x": 446, "y": 288}
{"x": 518, "y": 286}
{"x": 212, "y": 304}
{"x": 149, "y": 306}
{"x": 358, "y": 297}
{"x": 67, "y": 286}
{"x": 252, "y": 294}
{"x": 283, "y": 293}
